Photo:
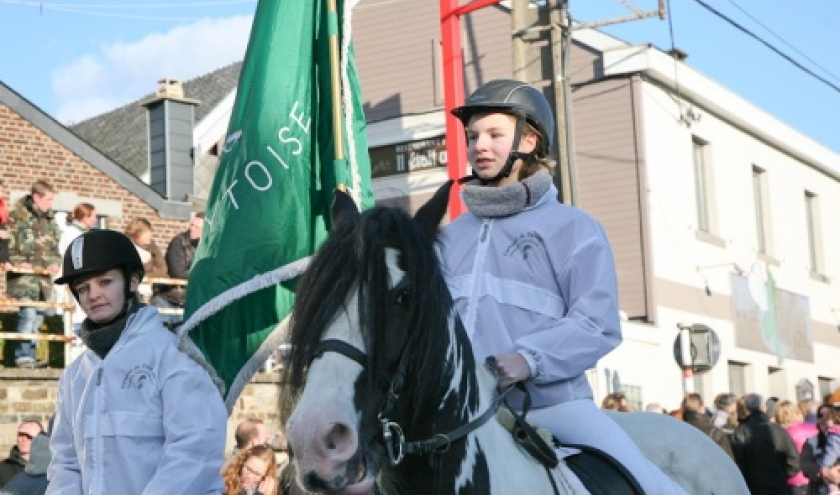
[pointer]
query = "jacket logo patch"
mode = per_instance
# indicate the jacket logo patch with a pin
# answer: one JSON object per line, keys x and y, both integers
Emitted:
{"x": 523, "y": 245}
{"x": 139, "y": 376}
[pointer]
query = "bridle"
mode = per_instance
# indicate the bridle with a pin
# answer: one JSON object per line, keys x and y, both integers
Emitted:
{"x": 392, "y": 435}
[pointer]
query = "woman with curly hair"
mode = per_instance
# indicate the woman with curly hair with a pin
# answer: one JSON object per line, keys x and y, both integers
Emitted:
{"x": 252, "y": 472}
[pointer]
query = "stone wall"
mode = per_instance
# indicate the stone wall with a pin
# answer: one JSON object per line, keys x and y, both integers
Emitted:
{"x": 28, "y": 394}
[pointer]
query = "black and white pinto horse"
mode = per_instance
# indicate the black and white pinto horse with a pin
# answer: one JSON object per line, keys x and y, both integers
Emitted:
{"x": 388, "y": 397}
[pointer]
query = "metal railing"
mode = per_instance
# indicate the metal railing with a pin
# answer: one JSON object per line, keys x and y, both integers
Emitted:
{"x": 151, "y": 282}
{"x": 11, "y": 305}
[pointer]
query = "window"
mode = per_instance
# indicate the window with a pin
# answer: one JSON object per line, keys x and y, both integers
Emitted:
{"x": 761, "y": 202}
{"x": 812, "y": 222}
{"x": 701, "y": 184}
{"x": 776, "y": 382}
{"x": 826, "y": 387}
{"x": 633, "y": 393}
{"x": 737, "y": 378}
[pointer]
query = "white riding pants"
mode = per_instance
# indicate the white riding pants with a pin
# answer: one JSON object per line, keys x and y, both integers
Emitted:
{"x": 581, "y": 422}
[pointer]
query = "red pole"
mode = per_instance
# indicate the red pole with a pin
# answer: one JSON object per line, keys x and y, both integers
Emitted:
{"x": 453, "y": 88}
{"x": 453, "y": 96}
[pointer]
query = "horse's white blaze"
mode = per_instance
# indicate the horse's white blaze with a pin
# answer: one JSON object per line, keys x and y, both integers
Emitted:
{"x": 327, "y": 400}
{"x": 395, "y": 275}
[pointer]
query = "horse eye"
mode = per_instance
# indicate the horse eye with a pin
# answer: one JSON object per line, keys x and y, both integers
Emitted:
{"x": 403, "y": 297}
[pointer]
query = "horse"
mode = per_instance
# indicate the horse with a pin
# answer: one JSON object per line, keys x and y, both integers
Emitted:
{"x": 387, "y": 397}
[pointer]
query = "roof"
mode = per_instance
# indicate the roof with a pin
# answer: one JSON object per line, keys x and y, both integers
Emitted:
{"x": 121, "y": 133}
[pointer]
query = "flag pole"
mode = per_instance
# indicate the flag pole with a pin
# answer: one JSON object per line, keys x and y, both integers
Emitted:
{"x": 335, "y": 78}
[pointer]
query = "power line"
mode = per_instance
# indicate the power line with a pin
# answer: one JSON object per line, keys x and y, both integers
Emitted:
{"x": 87, "y": 9}
{"x": 768, "y": 45}
{"x": 121, "y": 16}
{"x": 803, "y": 55}
{"x": 59, "y": 6}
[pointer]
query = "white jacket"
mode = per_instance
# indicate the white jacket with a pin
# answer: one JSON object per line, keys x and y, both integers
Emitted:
{"x": 145, "y": 420}
{"x": 540, "y": 282}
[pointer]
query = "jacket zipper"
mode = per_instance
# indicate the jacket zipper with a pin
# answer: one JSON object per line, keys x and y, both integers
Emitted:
{"x": 476, "y": 274}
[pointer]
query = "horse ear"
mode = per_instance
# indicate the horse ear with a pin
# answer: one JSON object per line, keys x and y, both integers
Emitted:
{"x": 343, "y": 207}
{"x": 430, "y": 214}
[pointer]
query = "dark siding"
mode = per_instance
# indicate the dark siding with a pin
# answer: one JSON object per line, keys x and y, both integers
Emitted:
{"x": 608, "y": 179}
{"x": 170, "y": 138}
{"x": 487, "y": 47}
{"x": 585, "y": 64}
{"x": 397, "y": 47}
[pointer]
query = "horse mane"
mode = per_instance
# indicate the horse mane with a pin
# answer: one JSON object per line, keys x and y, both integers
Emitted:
{"x": 353, "y": 258}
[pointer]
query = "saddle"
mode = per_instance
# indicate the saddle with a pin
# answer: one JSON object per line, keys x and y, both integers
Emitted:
{"x": 599, "y": 472}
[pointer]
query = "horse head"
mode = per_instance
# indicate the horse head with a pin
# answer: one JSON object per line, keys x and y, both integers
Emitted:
{"x": 371, "y": 355}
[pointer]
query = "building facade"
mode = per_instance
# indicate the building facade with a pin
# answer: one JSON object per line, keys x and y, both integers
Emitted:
{"x": 718, "y": 213}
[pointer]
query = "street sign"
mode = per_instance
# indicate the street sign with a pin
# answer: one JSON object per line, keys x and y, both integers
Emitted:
{"x": 705, "y": 348}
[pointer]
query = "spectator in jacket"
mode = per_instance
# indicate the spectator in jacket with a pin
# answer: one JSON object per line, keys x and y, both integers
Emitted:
{"x": 616, "y": 401}
{"x": 764, "y": 452}
{"x": 252, "y": 472}
{"x": 33, "y": 244}
{"x": 139, "y": 230}
{"x": 789, "y": 417}
{"x": 181, "y": 251}
{"x": 809, "y": 408}
{"x": 80, "y": 220}
{"x": 33, "y": 479}
{"x": 133, "y": 395}
{"x": 249, "y": 433}
{"x": 179, "y": 258}
{"x": 694, "y": 413}
{"x": 725, "y": 416}
{"x": 812, "y": 454}
{"x": 20, "y": 452}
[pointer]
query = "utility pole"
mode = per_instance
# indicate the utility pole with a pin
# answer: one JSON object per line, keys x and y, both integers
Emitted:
{"x": 546, "y": 30}
{"x": 535, "y": 31}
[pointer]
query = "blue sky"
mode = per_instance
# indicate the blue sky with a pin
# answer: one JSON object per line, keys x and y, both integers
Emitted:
{"x": 78, "y": 58}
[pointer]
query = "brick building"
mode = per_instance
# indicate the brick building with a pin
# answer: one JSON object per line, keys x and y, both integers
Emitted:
{"x": 33, "y": 146}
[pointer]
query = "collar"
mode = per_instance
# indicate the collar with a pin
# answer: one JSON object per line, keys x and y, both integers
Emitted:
{"x": 503, "y": 201}
{"x": 102, "y": 338}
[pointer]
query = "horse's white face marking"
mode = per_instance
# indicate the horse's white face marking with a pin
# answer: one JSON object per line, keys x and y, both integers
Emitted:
{"x": 327, "y": 399}
{"x": 327, "y": 402}
{"x": 395, "y": 274}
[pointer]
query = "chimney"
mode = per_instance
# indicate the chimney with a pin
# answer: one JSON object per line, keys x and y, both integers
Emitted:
{"x": 170, "y": 120}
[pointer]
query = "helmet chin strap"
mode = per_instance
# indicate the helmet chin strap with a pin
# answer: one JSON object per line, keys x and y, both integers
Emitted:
{"x": 511, "y": 159}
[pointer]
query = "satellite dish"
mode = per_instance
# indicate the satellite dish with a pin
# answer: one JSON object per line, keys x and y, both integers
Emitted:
{"x": 758, "y": 291}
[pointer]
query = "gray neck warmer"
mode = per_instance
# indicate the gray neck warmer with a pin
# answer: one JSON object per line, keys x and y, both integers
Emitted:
{"x": 101, "y": 338}
{"x": 503, "y": 201}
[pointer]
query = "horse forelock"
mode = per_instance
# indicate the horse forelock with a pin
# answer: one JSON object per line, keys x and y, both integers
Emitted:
{"x": 321, "y": 294}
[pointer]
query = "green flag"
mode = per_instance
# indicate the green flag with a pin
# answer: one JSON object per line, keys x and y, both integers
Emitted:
{"x": 267, "y": 211}
{"x": 769, "y": 323}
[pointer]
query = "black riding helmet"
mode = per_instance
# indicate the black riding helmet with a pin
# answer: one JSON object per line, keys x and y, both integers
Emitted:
{"x": 98, "y": 251}
{"x": 516, "y": 98}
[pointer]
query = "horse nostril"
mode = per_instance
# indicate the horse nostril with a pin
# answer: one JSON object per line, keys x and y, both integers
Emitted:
{"x": 339, "y": 439}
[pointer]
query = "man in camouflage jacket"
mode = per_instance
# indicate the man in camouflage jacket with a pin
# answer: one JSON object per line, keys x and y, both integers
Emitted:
{"x": 33, "y": 245}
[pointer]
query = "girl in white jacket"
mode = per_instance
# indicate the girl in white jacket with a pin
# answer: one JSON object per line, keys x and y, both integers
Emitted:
{"x": 134, "y": 413}
{"x": 534, "y": 280}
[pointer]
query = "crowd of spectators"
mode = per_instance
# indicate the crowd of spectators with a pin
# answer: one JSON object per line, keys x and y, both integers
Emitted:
{"x": 32, "y": 244}
{"x": 781, "y": 447}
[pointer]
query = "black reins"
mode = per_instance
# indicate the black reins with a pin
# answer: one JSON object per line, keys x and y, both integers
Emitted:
{"x": 393, "y": 437}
